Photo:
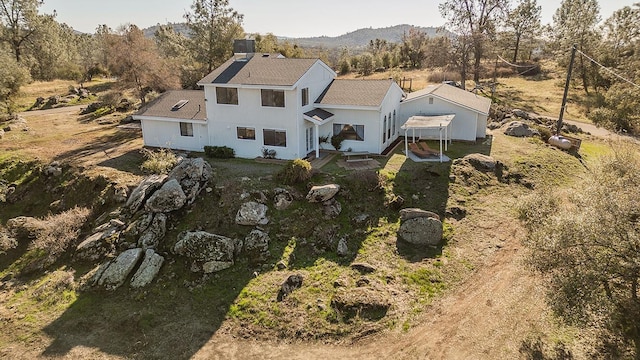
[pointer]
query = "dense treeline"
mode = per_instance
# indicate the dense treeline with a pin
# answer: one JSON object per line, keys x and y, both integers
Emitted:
{"x": 35, "y": 46}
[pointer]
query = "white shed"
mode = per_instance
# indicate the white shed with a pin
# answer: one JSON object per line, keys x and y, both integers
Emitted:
{"x": 471, "y": 110}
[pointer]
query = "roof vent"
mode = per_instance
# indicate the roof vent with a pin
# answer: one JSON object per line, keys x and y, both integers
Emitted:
{"x": 265, "y": 55}
{"x": 179, "y": 105}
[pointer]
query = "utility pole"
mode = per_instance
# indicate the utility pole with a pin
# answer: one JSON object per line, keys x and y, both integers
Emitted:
{"x": 566, "y": 90}
{"x": 495, "y": 80}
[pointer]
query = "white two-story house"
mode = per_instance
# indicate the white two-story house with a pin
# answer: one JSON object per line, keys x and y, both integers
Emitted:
{"x": 265, "y": 101}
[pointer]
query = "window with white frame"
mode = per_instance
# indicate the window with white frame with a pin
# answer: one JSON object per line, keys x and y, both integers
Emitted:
{"x": 384, "y": 129}
{"x": 394, "y": 122}
{"x": 430, "y": 101}
{"x": 227, "y": 96}
{"x": 389, "y": 127}
{"x": 246, "y": 133}
{"x": 349, "y": 132}
{"x": 272, "y": 98}
{"x": 274, "y": 137}
{"x": 186, "y": 129}
{"x": 305, "y": 96}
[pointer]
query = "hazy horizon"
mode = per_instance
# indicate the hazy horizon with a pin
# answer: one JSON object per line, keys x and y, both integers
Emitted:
{"x": 328, "y": 18}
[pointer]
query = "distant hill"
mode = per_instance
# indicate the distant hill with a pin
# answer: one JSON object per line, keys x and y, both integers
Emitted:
{"x": 361, "y": 37}
{"x": 355, "y": 39}
{"x": 180, "y": 28}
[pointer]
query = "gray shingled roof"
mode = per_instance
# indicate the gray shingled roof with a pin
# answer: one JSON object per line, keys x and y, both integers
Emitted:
{"x": 260, "y": 70}
{"x": 355, "y": 93}
{"x": 195, "y": 109}
{"x": 319, "y": 114}
{"x": 454, "y": 95}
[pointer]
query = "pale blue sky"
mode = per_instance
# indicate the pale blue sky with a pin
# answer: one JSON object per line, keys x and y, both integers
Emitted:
{"x": 293, "y": 18}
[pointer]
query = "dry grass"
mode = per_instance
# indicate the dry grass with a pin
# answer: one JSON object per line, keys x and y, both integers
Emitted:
{"x": 56, "y": 232}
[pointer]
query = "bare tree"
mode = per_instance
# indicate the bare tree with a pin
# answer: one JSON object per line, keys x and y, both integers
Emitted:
{"x": 475, "y": 20}
{"x": 137, "y": 62}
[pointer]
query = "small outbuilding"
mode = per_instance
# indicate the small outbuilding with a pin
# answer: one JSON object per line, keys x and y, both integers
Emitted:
{"x": 471, "y": 110}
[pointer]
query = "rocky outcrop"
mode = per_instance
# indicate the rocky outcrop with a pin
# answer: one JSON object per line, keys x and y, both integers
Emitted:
{"x": 520, "y": 129}
{"x": 323, "y": 193}
{"x": 118, "y": 270}
{"x": 99, "y": 244}
{"x": 252, "y": 214}
{"x": 169, "y": 197}
{"x": 192, "y": 175}
{"x": 143, "y": 191}
{"x": 208, "y": 252}
{"x": 154, "y": 232}
{"x": 148, "y": 269}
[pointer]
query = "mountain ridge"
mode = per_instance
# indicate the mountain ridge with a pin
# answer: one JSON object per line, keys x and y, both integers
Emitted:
{"x": 353, "y": 39}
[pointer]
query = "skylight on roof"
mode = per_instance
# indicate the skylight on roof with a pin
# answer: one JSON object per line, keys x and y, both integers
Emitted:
{"x": 177, "y": 106}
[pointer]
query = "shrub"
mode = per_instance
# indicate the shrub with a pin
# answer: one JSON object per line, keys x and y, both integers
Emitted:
{"x": 336, "y": 141}
{"x": 296, "y": 171}
{"x": 219, "y": 152}
{"x": 268, "y": 153}
{"x": 545, "y": 132}
{"x": 158, "y": 162}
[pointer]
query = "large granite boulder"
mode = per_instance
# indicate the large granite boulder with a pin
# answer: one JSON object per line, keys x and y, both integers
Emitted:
{"x": 420, "y": 229}
{"x": 168, "y": 198}
{"x": 118, "y": 270}
{"x": 323, "y": 193}
{"x": 143, "y": 191}
{"x": 252, "y": 213}
{"x": 520, "y": 129}
{"x": 154, "y": 232}
{"x": 256, "y": 246}
{"x": 192, "y": 175}
{"x": 148, "y": 269}
{"x": 99, "y": 244}
{"x": 481, "y": 162}
{"x": 208, "y": 252}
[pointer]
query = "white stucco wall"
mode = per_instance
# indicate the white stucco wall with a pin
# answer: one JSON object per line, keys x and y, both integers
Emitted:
{"x": 467, "y": 124}
{"x": 166, "y": 134}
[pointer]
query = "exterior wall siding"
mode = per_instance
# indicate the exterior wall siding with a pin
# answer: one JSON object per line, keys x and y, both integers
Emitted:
{"x": 465, "y": 126}
{"x": 166, "y": 134}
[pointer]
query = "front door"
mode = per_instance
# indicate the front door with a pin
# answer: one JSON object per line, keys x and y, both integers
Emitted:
{"x": 310, "y": 140}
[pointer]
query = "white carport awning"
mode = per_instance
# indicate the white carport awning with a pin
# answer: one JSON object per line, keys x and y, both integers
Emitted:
{"x": 442, "y": 123}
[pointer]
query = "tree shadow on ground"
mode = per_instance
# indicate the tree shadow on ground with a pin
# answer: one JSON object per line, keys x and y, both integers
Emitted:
{"x": 101, "y": 146}
{"x": 428, "y": 186}
{"x": 536, "y": 349}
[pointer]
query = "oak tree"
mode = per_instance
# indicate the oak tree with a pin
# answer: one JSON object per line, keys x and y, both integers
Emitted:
{"x": 475, "y": 21}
